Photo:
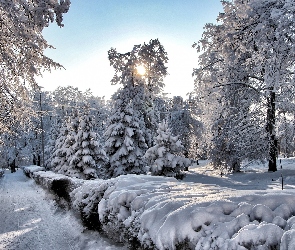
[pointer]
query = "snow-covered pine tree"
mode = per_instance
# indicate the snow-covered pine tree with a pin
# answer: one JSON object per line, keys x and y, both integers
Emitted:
{"x": 125, "y": 135}
{"x": 50, "y": 146}
{"x": 125, "y": 143}
{"x": 162, "y": 157}
{"x": 63, "y": 148}
{"x": 151, "y": 58}
{"x": 88, "y": 157}
{"x": 59, "y": 155}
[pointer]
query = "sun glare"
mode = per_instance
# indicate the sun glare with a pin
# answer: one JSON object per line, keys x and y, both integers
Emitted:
{"x": 140, "y": 70}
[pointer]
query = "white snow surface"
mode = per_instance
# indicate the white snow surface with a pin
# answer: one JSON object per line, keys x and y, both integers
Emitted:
{"x": 246, "y": 210}
{"x": 30, "y": 219}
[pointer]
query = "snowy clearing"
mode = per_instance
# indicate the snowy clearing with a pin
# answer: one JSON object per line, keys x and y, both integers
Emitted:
{"x": 30, "y": 219}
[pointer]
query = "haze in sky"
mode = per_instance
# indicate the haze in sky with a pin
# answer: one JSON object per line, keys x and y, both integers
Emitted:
{"x": 92, "y": 27}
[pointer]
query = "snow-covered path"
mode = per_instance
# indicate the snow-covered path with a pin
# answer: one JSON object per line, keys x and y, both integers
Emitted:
{"x": 31, "y": 220}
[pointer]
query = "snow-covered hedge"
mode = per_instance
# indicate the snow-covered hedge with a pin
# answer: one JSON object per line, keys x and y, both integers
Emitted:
{"x": 152, "y": 212}
{"x": 2, "y": 171}
{"x": 29, "y": 170}
{"x": 58, "y": 184}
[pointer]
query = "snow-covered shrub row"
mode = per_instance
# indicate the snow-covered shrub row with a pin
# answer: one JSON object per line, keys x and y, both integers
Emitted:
{"x": 60, "y": 185}
{"x": 86, "y": 199}
{"x": 153, "y": 212}
{"x": 29, "y": 170}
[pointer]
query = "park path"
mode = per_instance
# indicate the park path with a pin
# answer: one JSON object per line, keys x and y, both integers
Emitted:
{"x": 30, "y": 219}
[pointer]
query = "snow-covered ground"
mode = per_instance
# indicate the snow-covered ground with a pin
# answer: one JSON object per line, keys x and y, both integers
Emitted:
{"x": 30, "y": 219}
{"x": 247, "y": 210}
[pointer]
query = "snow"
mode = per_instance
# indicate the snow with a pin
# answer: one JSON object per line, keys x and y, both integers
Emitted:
{"x": 30, "y": 219}
{"x": 204, "y": 211}
{"x": 31, "y": 169}
{"x": 247, "y": 210}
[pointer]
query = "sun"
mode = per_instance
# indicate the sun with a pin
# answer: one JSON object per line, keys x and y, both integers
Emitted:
{"x": 140, "y": 70}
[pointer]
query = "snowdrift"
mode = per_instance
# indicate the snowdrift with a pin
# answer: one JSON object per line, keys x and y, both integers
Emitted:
{"x": 150, "y": 212}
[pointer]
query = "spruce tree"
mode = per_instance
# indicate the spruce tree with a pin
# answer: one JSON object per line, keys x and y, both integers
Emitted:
{"x": 162, "y": 158}
{"x": 88, "y": 157}
{"x": 125, "y": 143}
{"x": 58, "y": 160}
{"x": 63, "y": 148}
{"x": 50, "y": 146}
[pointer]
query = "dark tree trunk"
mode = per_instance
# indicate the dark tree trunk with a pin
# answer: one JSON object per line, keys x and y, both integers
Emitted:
{"x": 12, "y": 166}
{"x": 36, "y": 160}
{"x": 270, "y": 128}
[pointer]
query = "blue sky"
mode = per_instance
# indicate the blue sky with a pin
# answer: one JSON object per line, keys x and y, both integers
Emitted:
{"x": 92, "y": 27}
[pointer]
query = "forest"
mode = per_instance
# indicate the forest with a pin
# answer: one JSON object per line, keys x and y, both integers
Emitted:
{"x": 241, "y": 108}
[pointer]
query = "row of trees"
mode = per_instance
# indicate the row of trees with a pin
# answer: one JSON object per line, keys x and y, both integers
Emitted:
{"x": 242, "y": 107}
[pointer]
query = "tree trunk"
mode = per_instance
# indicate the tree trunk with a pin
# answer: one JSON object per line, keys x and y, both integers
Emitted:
{"x": 270, "y": 128}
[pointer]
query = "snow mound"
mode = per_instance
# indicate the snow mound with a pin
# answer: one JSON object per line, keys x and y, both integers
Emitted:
{"x": 29, "y": 170}
{"x": 155, "y": 212}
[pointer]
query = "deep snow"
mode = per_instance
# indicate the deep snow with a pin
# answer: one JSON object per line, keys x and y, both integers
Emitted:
{"x": 205, "y": 211}
{"x": 247, "y": 210}
{"x": 30, "y": 219}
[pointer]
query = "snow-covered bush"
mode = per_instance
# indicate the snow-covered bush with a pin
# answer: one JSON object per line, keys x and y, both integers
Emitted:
{"x": 162, "y": 158}
{"x": 60, "y": 185}
{"x": 86, "y": 199}
{"x": 2, "y": 171}
{"x": 29, "y": 170}
{"x": 154, "y": 212}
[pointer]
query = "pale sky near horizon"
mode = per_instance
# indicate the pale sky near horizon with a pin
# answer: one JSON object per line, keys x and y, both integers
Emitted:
{"x": 92, "y": 27}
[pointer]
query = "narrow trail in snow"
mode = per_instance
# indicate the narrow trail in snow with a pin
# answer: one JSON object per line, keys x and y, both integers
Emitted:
{"x": 31, "y": 220}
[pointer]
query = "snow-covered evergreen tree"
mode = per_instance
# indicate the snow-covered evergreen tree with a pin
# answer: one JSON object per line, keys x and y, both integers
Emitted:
{"x": 63, "y": 150}
{"x": 59, "y": 156}
{"x": 88, "y": 157}
{"x": 162, "y": 157}
{"x": 151, "y": 58}
{"x": 50, "y": 146}
{"x": 125, "y": 143}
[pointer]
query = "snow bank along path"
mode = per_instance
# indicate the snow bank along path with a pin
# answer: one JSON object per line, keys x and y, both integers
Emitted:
{"x": 155, "y": 212}
{"x": 29, "y": 219}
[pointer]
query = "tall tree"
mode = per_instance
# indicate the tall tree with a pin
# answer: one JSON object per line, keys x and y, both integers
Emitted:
{"x": 151, "y": 57}
{"x": 130, "y": 126}
{"x": 125, "y": 143}
{"x": 252, "y": 48}
{"x": 125, "y": 134}
{"x": 22, "y": 56}
{"x": 87, "y": 158}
